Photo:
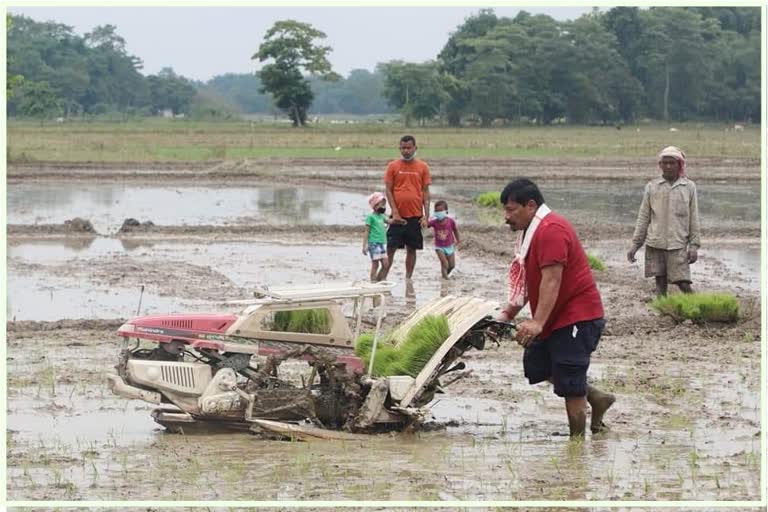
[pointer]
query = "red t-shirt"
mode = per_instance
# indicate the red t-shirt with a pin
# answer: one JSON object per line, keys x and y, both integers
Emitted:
{"x": 578, "y": 300}
{"x": 408, "y": 178}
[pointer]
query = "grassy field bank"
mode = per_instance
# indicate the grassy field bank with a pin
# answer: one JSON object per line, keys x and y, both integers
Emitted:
{"x": 162, "y": 140}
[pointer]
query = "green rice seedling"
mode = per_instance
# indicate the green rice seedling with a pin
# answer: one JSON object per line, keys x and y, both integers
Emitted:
{"x": 646, "y": 487}
{"x": 385, "y": 354}
{"x": 310, "y": 321}
{"x": 421, "y": 343}
{"x": 410, "y": 356}
{"x": 489, "y": 199}
{"x": 385, "y": 357}
{"x": 699, "y": 307}
{"x": 595, "y": 263}
{"x": 94, "y": 475}
{"x": 363, "y": 345}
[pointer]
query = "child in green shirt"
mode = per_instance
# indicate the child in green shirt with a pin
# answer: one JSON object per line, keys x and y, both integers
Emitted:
{"x": 375, "y": 239}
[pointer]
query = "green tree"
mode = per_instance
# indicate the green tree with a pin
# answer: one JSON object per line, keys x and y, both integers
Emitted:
{"x": 677, "y": 60}
{"x": 293, "y": 50}
{"x": 38, "y": 100}
{"x": 459, "y": 53}
{"x": 416, "y": 90}
{"x": 170, "y": 91}
{"x": 12, "y": 81}
{"x": 83, "y": 71}
{"x": 602, "y": 87}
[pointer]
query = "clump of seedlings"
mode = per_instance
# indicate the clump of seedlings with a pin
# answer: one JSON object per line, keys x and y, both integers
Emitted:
{"x": 412, "y": 354}
{"x": 489, "y": 199}
{"x": 699, "y": 307}
{"x": 310, "y": 321}
{"x": 595, "y": 263}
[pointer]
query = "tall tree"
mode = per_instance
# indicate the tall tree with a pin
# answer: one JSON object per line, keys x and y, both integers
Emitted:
{"x": 38, "y": 100}
{"x": 12, "y": 81}
{"x": 170, "y": 91}
{"x": 292, "y": 47}
{"x": 417, "y": 90}
{"x": 459, "y": 53}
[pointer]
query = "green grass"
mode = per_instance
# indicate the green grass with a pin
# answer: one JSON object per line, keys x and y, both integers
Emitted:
{"x": 699, "y": 307}
{"x": 410, "y": 356}
{"x": 595, "y": 263}
{"x": 489, "y": 199}
{"x": 156, "y": 140}
{"x": 310, "y": 321}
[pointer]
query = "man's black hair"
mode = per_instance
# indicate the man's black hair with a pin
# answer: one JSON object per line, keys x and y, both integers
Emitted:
{"x": 408, "y": 138}
{"x": 521, "y": 191}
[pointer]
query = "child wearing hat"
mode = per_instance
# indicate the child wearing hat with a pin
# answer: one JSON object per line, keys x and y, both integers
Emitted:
{"x": 375, "y": 239}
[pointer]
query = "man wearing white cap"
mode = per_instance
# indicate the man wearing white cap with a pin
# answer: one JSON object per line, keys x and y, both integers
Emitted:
{"x": 668, "y": 224}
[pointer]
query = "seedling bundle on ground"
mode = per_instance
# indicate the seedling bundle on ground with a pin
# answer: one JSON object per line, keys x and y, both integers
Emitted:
{"x": 489, "y": 199}
{"x": 699, "y": 307}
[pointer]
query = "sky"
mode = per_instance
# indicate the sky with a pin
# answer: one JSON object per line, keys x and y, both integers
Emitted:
{"x": 202, "y": 42}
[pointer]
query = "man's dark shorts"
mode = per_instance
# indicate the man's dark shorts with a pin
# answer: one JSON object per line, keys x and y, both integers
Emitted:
{"x": 400, "y": 235}
{"x": 564, "y": 356}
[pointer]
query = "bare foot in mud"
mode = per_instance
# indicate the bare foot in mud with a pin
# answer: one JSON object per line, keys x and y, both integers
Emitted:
{"x": 600, "y": 403}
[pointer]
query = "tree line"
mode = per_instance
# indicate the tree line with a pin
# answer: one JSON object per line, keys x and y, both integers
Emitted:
{"x": 614, "y": 66}
{"x": 56, "y": 71}
{"x": 604, "y": 67}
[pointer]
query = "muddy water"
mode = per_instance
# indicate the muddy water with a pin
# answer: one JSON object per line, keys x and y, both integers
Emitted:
{"x": 722, "y": 266}
{"x": 686, "y": 424}
{"x": 49, "y": 281}
{"x": 732, "y": 204}
{"x": 73, "y": 441}
{"x": 107, "y": 205}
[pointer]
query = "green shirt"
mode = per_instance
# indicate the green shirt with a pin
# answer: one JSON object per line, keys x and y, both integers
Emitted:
{"x": 378, "y": 232}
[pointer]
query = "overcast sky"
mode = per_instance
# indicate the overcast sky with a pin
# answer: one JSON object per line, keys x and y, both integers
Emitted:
{"x": 201, "y": 42}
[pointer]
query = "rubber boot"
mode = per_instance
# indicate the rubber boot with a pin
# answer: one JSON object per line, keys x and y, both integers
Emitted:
{"x": 600, "y": 402}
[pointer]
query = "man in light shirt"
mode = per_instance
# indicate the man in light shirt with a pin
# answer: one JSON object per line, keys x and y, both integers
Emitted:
{"x": 668, "y": 224}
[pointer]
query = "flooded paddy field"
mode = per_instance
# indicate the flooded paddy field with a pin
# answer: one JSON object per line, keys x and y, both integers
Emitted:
{"x": 686, "y": 425}
{"x": 107, "y": 205}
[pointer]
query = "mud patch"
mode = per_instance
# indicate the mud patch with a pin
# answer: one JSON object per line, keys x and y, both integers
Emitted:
{"x": 133, "y": 225}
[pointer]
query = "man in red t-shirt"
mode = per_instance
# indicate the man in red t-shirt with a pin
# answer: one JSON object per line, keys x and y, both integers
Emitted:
{"x": 407, "y": 183}
{"x": 567, "y": 311}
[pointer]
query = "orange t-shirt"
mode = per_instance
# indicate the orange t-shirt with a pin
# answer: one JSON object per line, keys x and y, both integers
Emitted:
{"x": 408, "y": 179}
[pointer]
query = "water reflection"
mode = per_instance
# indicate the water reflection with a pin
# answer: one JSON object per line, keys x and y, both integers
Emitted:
{"x": 108, "y": 205}
{"x": 289, "y": 204}
{"x": 732, "y": 204}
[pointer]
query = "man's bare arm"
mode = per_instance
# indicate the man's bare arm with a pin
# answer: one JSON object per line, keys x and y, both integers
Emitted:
{"x": 549, "y": 289}
{"x": 391, "y": 200}
{"x": 425, "y": 206}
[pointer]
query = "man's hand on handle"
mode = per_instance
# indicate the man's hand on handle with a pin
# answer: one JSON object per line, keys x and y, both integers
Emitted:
{"x": 527, "y": 331}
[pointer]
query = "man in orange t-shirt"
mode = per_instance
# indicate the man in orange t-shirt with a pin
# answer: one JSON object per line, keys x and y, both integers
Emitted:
{"x": 407, "y": 183}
